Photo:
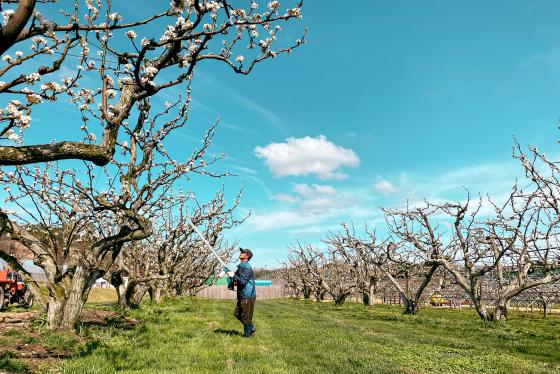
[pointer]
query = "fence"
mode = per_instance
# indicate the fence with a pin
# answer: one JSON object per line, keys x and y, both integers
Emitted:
{"x": 222, "y": 292}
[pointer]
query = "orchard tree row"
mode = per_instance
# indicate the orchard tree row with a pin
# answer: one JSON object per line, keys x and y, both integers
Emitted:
{"x": 492, "y": 251}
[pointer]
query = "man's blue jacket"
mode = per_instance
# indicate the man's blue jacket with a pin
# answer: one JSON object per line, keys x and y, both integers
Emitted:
{"x": 245, "y": 281}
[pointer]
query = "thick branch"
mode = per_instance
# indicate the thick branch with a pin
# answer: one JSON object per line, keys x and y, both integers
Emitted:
{"x": 22, "y": 155}
{"x": 10, "y": 32}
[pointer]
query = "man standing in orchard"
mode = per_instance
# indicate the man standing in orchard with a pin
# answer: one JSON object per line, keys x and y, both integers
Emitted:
{"x": 246, "y": 291}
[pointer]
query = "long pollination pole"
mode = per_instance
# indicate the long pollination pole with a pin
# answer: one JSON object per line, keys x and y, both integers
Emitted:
{"x": 206, "y": 242}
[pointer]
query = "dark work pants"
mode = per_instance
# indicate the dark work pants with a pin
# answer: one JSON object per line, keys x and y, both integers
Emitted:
{"x": 244, "y": 311}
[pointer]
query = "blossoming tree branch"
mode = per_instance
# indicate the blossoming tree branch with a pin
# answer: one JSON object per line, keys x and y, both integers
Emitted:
{"x": 117, "y": 62}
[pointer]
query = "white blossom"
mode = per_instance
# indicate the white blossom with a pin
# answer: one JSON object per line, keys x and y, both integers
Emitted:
{"x": 24, "y": 120}
{"x": 32, "y": 78}
{"x": 13, "y": 136}
{"x": 33, "y": 98}
{"x": 7, "y": 14}
{"x": 150, "y": 71}
{"x": 115, "y": 17}
{"x": 53, "y": 86}
{"x": 294, "y": 12}
{"x": 213, "y": 5}
{"x": 131, "y": 34}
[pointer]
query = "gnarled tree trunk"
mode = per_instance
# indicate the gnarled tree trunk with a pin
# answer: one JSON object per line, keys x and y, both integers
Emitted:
{"x": 67, "y": 298}
{"x": 368, "y": 296}
{"x": 410, "y": 306}
{"x": 135, "y": 294}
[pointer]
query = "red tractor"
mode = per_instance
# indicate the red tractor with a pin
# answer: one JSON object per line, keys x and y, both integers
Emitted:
{"x": 13, "y": 290}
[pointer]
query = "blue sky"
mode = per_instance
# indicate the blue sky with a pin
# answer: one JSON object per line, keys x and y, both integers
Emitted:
{"x": 428, "y": 95}
{"x": 411, "y": 99}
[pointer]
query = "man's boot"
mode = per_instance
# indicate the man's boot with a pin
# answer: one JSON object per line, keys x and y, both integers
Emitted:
{"x": 254, "y": 330}
{"x": 248, "y": 330}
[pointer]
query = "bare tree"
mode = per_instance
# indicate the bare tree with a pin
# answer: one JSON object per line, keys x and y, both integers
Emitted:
{"x": 323, "y": 272}
{"x": 335, "y": 276}
{"x": 543, "y": 296}
{"x": 301, "y": 264}
{"x": 180, "y": 260}
{"x": 408, "y": 262}
{"x": 291, "y": 282}
{"x": 123, "y": 71}
{"x": 494, "y": 259}
{"x": 359, "y": 261}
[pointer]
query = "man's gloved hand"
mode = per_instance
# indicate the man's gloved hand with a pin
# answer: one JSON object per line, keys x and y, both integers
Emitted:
{"x": 230, "y": 274}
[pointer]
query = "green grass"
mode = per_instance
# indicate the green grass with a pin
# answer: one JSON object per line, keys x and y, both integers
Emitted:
{"x": 9, "y": 364}
{"x": 202, "y": 336}
{"x": 24, "y": 338}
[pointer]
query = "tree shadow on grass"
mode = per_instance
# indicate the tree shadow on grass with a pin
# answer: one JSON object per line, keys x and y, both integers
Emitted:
{"x": 118, "y": 323}
{"x": 228, "y": 332}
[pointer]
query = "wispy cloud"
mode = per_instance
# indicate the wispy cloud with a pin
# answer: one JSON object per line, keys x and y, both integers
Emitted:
{"x": 311, "y": 205}
{"x": 268, "y": 115}
{"x": 239, "y": 129}
{"x": 244, "y": 169}
{"x": 280, "y": 220}
{"x": 385, "y": 187}
{"x": 285, "y": 198}
{"x": 549, "y": 60}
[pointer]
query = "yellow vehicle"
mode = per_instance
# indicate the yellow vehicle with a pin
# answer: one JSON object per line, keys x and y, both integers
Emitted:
{"x": 438, "y": 300}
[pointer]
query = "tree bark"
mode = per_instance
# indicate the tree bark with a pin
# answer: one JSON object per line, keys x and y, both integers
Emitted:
{"x": 119, "y": 280}
{"x": 411, "y": 307}
{"x": 481, "y": 310}
{"x": 368, "y": 297}
{"x": 340, "y": 299}
{"x": 22, "y": 155}
{"x": 16, "y": 24}
{"x": 500, "y": 312}
{"x": 156, "y": 294}
{"x": 134, "y": 294}
{"x": 67, "y": 299}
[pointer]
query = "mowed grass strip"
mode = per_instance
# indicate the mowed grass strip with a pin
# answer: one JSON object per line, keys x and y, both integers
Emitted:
{"x": 293, "y": 336}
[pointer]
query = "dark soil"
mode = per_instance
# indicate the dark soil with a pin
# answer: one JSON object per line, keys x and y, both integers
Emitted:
{"x": 27, "y": 348}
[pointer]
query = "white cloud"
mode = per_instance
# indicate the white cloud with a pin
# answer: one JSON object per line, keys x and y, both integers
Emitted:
{"x": 280, "y": 220}
{"x": 307, "y": 190}
{"x": 385, "y": 187}
{"x": 245, "y": 169}
{"x": 304, "y": 156}
{"x": 311, "y": 206}
{"x": 545, "y": 59}
{"x": 494, "y": 179}
{"x": 322, "y": 204}
{"x": 285, "y": 198}
{"x": 315, "y": 198}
